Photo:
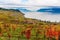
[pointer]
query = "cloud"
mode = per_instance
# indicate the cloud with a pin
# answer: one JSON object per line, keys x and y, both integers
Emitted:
{"x": 28, "y": 3}
{"x": 43, "y": 16}
{"x": 11, "y": 1}
{"x": 32, "y": 2}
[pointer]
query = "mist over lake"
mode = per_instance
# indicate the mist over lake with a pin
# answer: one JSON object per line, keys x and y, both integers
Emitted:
{"x": 43, "y": 16}
{"x": 44, "y": 13}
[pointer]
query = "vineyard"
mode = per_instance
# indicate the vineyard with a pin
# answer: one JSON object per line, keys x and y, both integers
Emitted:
{"x": 14, "y": 26}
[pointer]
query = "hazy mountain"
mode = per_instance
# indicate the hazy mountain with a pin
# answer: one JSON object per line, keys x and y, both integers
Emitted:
{"x": 25, "y": 10}
{"x": 53, "y": 10}
{"x": 22, "y": 9}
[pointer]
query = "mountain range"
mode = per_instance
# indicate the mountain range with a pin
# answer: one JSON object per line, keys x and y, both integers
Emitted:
{"x": 53, "y": 10}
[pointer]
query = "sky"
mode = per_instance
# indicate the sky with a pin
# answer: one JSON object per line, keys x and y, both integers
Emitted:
{"x": 33, "y": 5}
{"x": 30, "y": 2}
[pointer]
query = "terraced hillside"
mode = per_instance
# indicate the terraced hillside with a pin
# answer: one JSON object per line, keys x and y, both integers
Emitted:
{"x": 14, "y": 26}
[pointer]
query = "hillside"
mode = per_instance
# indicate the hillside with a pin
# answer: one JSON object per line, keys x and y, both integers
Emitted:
{"x": 14, "y": 26}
